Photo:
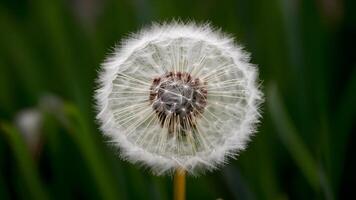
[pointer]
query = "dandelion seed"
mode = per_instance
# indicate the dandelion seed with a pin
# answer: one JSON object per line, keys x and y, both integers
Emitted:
{"x": 179, "y": 96}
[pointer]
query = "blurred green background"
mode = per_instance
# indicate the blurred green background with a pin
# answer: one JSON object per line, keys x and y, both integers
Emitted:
{"x": 50, "y": 53}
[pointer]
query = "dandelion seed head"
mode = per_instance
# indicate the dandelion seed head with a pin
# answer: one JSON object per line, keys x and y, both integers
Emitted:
{"x": 178, "y": 96}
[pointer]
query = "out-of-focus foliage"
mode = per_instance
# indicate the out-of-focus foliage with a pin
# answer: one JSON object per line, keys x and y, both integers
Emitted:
{"x": 50, "y": 52}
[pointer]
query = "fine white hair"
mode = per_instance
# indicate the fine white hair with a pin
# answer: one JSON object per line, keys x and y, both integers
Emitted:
{"x": 232, "y": 104}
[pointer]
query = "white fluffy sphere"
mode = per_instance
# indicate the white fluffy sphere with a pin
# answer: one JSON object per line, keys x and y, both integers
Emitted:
{"x": 178, "y": 96}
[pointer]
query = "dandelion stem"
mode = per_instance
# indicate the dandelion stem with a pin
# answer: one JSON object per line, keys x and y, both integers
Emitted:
{"x": 179, "y": 184}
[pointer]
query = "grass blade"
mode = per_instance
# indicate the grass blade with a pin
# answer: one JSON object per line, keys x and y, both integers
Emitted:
{"x": 294, "y": 144}
{"x": 83, "y": 137}
{"x": 25, "y": 163}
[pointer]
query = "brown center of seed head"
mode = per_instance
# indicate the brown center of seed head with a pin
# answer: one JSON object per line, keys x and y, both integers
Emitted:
{"x": 178, "y": 100}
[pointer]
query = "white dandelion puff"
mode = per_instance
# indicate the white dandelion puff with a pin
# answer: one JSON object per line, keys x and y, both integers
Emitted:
{"x": 29, "y": 123}
{"x": 178, "y": 96}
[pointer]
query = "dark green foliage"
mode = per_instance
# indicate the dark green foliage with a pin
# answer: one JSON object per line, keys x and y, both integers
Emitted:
{"x": 50, "y": 52}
